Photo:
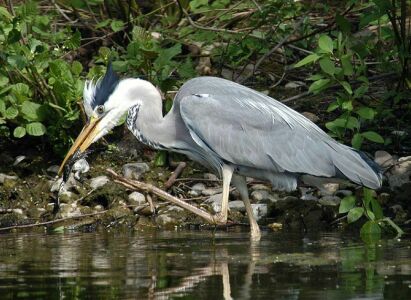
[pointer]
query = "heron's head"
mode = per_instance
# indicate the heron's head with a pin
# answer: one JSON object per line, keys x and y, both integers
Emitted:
{"x": 105, "y": 103}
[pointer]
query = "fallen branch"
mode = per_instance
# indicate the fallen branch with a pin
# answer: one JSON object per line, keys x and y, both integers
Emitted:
{"x": 181, "y": 166}
{"x": 53, "y": 221}
{"x": 148, "y": 188}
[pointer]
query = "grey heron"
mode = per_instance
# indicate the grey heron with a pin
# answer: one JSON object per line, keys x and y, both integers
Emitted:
{"x": 231, "y": 129}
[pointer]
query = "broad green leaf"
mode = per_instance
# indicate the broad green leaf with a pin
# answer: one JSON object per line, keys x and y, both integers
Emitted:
{"x": 376, "y": 208}
{"x": 346, "y": 204}
{"x": 318, "y": 85}
{"x": 346, "y": 64}
{"x": 366, "y": 112}
{"x": 370, "y": 228}
{"x": 32, "y": 111}
{"x": 2, "y": 106}
{"x": 343, "y": 23}
{"x": 160, "y": 159}
{"x": 315, "y": 77}
{"x": 373, "y": 137}
{"x": 357, "y": 140}
{"x": 326, "y": 43}
{"x": 346, "y": 86}
{"x": 76, "y": 67}
{"x": 333, "y": 106}
{"x": 370, "y": 215}
{"x": 19, "y": 132}
{"x": 347, "y": 105}
{"x": 3, "y": 81}
{"x": 352, "y": 123}
{"x": 35, "y": 129}
{"x": 11, "y": 112}
{"x": 306, "y": 60}
{"x": 4, "y": 12}
{"x": 166, "y": 55}
{"x": 327, "y": 65}
{"x": 354, "y": 214}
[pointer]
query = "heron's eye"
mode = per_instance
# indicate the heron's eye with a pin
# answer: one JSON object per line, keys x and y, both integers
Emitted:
{"x": 100, "y": 109}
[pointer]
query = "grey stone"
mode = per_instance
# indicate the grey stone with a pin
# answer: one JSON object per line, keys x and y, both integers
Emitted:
{"x": 136, "y": 198}
{"x": 210, "y": 176}
{"x": 135, "y": 170}
{"x": 4, "y": 177}
{"x": 400, "y": 173}
{"x": 259, "y": 186}
{"x": 18, "y": 160}
{"x": 384, "y": 159}
{"x": 98, "y": 208}
{"x": 165, "y": 220}
{"x": 329, "y": 189}
{"x": 290, "y": 198}
{"x": 259, "y": 210}
{"x": 210, "y": 192}
{"x": 80, "y": 167}
{"x": 310, "y": 116}
{"x": 198, "y": 187}
{"x": 259, "y": 195}
{"x": 330, "y": 201}
{"x": 294, "y": 85}
{"x": 53, "y": 169}
{"x": 70, "y": 184}
{"x": 18, "y": 211}
{"x": 215, "y": 202}
{"x": 237, "y": 205}
{"x": 99, "y": 181}
{"x": 307, "y": 194}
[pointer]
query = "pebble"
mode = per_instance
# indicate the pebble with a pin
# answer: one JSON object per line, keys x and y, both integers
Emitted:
{"x": 310, "y": 116}
{"x": 259, "y": 195}
{"x": 18, "y": 160}
{"x": 400, "y": 173}
{"x": 210, "y": 176}
{"x": 53, "y": 169}
{"x": 136, "y": 198}
{"x": 135, "y": 170}
{"x": 237, "y": 205}
{"x": 198, "y": 187}
{"x": 259, "y": 210}
{"x": 98, "y": 207}
{"x": 384, "y": 159}
{"x": 165, "y": 220}
{"x": 259, "y": 186}
{"x": 210, "y": 192}
{"x": 329, "y": 189}
{"x": 4, "y": 177}
{"x": 330, "y": 201}
{"x": 99, "y": 181}
{"x": 215, "y": 202}
{"x": 294, "y": 85}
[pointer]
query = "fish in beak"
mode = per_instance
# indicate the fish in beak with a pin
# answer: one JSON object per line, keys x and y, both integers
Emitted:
{"x": 81, "y": 144}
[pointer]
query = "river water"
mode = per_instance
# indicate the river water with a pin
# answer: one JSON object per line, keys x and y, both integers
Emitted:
{"x": 202, "y": 265}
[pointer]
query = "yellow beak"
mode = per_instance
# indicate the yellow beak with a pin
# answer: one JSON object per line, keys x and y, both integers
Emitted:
{"x": 83, "y": 141}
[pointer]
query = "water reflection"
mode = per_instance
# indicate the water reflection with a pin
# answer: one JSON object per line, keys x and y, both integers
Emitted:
{"x": 200, "y": 265}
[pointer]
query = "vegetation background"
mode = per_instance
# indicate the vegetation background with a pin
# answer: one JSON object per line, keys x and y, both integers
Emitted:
{"x": 346, "y": 61}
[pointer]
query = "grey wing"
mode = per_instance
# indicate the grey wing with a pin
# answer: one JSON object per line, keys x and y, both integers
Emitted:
{"x": 250, "y": 129}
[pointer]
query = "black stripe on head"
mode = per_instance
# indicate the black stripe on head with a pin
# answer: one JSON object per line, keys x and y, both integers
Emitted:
{"x": 105, "y": 87}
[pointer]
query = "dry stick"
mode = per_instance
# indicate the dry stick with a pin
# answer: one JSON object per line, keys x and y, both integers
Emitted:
{"x": 145, "y": 187}
{"x": 53, "y": 221}
{"x": 176, "y": 173}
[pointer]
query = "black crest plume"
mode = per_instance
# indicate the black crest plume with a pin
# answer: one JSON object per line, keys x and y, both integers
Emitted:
{"x": 105, "y": 87}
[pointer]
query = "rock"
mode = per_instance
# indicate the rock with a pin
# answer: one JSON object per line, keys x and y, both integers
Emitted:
{"x": 259, "y": 186}
{"x": 383, "y": 198}
{"x": 98, "y": 208}
{"x": 197, "y": 189}
{"x": 294, "y": 85}
{"x": 400, "y": 173}
{"x": 307, "y": 194}
{"x": 98, "y": 181}
{"x": 259, "y": 195}
{"x": 330, "y": 201}
{"x": 310, "y": 116}
{"x": 275, "y": 226}
{"x": 4, "y": 177}
{"x": 136, "y": 198}
{"x": 384, "y": 159}
{"x": 215, "y": 202}
{"x": 65, "y": 196}
{"x": 166, "y": 221}
{"x": 70, "y": 184}
{"x": 210, "y": 176}
{"x": 210, "y": 192}
{"x": 343, "y": 193}
{"x": 237, "y": 205}
{"x": 329, "y": 189}
{"x": 135, "y": 170}
{"x": 18, "y": 160}
{"x": 290, "y": 199}
{"x": 259, "y": 210}
{"x": 18, "y": 211}
{"x": 53, "y": 169}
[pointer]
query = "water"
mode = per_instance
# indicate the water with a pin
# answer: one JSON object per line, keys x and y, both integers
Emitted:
{"x": 202, "y": 265}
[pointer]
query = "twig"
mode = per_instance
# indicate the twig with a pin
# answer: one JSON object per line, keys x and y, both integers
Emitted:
{"x": 175, "y": 174}
{"x": 145, "y": 187}
{"x": 151, "y": 204}
{"x": 53, "y": 221}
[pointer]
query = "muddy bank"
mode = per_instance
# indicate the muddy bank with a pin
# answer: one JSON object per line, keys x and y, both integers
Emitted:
{"x": 29, "y": 185}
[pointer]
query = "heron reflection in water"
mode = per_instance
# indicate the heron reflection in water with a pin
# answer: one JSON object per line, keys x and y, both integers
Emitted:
{"x": 229, "y": 128}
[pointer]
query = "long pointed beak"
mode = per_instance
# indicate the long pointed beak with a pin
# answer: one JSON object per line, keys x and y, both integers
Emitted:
{"x": 83, "y": 141}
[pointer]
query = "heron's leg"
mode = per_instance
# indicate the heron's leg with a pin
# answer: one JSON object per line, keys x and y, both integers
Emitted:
{"x": 241, "y": 185}
{"x": 221, "y": 217}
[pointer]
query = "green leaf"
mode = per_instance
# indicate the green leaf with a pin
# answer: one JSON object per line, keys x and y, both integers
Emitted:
{"x": 117, "y": 25}
{"x": 343, "y": 23}
{"x": 346, "y": 86}
{"x": 373, "y": 137}
{"x": 370, "y": 228}
{"x": 347, "y": 105}
{"x": 74, "y": 41}
{"x": 161, "y": 158}
{"x": 5, "y": 13}
{"x": 366, "y": 112}
{"x": 19, "y": 132}
{"x": 327, "y": 65}
{"x": 357, "y": 140}
{"x": 326, "y": 43}
{"x": 11, "y": 112}
{"x": 32, "y": 111}
{"x": 2, "y": 106}
{"x": 306, "y": 60}
{"x": 76, "y": 67}
{"x": 346, "y": 204}
{"x": 346, "y": 64}
{"x": 354, "y": 214}
{"x": 36, "y": 129}
{"x": 165, "y": 56}
{"x": 333, "y": 106}
{"x": 352, "y": 123}
{"x": 318, "y": 85}
{"x": 376, "y": 208}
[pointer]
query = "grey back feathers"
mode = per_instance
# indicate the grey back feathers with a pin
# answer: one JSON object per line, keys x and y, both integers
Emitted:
{"x": 105, "y": 87}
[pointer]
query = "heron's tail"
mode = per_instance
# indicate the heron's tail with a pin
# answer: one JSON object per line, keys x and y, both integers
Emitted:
{"x": 357, "y": 166}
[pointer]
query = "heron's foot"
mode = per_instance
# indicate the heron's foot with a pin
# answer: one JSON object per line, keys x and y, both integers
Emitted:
{"x": 220, "y": 218}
